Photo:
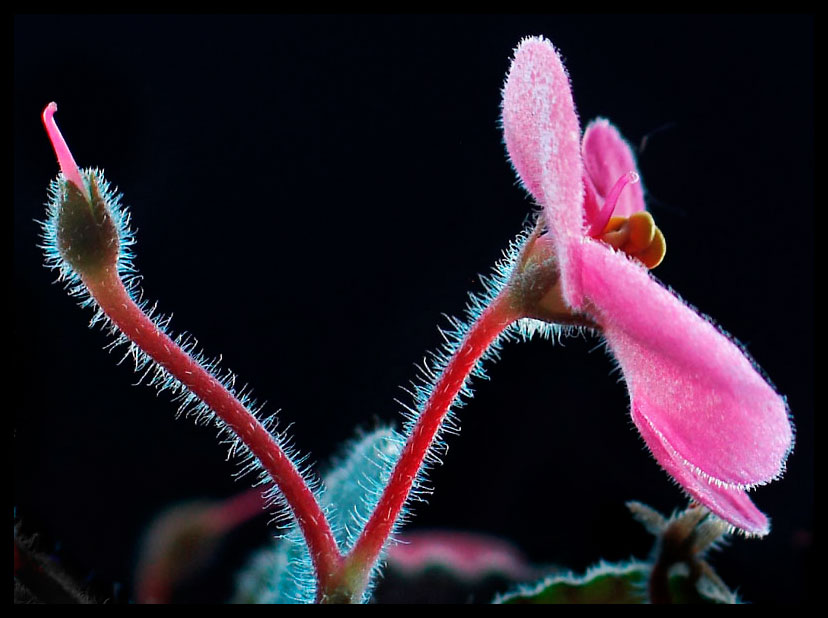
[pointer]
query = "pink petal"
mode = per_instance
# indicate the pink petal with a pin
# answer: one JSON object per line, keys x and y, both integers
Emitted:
{"x": 65, "y": 159}
{"x": 732, "y": 505}
{"x": 607, "y": 157}
{"x": 698, "y": 391}
{"x": 543, "y": 137}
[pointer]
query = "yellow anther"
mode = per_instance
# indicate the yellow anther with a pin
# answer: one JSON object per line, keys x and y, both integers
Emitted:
{"x": 652, "y": 255}
{"x": 637, "y": 236}
{"x": 642, "y": 232}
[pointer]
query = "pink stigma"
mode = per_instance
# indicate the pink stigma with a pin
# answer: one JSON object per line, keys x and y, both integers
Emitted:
{"x": 64, "y": 156}
{"x": 603, "y": 217}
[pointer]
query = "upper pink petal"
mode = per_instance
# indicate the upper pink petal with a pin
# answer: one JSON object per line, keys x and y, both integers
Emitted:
{"x": 607, "y": 157}
{"x": 695, "y": 388}
{"x": 543, "y": 139}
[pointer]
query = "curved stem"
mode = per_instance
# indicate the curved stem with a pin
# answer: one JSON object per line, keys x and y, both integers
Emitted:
{"x": 111, "y": 295}
{"x": 491, "y": 323}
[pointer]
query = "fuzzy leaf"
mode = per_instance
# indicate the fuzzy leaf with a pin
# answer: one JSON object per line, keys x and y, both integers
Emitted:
{"x": 623, "y": 583}
{"x": 605, "y": 583}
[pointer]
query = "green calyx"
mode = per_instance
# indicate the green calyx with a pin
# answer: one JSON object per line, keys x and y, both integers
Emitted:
{"x": 534, "y": 287}
{"x": 86, "y": 232}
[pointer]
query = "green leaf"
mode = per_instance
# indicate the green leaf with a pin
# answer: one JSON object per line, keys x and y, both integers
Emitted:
{"x": 604, "y": 583}
{"x": 623, "y": 583}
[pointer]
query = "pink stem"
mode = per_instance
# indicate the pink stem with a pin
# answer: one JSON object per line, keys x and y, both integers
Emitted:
{"x": 109, "y": 292}
{"x": 491, "y": 323}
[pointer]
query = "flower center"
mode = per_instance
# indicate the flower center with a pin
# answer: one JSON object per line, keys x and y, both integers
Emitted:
{"x": 636, "y": 235}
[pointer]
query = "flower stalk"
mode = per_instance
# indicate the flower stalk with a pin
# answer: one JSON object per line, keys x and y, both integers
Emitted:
{"x": 488, "y": 327}
{"x": 109, "y": 292}
{"x": 531, "y": 290}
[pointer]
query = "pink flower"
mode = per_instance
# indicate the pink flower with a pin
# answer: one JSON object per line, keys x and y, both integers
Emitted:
{"x": 700, "y": 403}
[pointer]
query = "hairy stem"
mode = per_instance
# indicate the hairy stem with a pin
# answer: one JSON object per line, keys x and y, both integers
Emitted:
{"x": 485, "y": 330}
{"x": 111, "y": 295}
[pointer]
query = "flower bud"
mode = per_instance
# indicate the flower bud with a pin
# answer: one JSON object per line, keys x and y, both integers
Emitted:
{"x": 87, "y": 237}
{"x": 85, "y": 233}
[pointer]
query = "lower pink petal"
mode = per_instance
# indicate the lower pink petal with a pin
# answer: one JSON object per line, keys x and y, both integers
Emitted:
{"x": 732, "y": 505}
{"x": 705, "y": 399}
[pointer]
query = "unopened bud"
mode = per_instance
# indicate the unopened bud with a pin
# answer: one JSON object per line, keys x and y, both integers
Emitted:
{"x": 85, "y": 232}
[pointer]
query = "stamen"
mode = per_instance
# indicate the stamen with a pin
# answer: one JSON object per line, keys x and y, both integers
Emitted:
{"x": 654, "y": 253}
{"x": 603, "y": 217}
{"x": 64, "y": 156}
{"x": 637, "y": 236}
{"x": 642, "y": 231}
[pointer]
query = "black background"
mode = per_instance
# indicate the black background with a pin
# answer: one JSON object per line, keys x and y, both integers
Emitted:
{"x": 312, "y": 192}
